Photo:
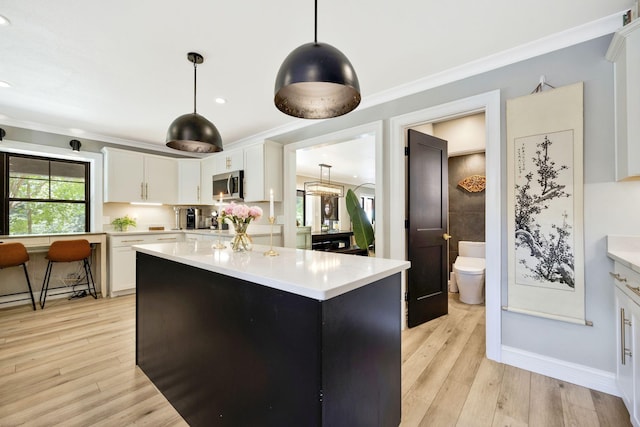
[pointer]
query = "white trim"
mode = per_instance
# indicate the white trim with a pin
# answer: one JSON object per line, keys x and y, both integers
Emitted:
{"x": 373, "y": 128}
{"x": 574, "y": 373}
{"x": 94, "y": 159}
{"x": 570, "y": 37}
{"x": 488, "y": 102}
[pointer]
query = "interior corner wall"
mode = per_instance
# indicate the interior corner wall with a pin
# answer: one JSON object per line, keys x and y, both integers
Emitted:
{"x": 609, "y": 207}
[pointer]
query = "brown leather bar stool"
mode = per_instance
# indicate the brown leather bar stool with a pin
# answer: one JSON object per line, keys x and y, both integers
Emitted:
{"x": 13, "y": 255}
{"x": 68, "y": 251}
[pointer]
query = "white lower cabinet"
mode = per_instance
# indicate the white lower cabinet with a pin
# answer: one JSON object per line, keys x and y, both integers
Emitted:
{"x": 122, "y": 258}
{"x": 628, "y": 339}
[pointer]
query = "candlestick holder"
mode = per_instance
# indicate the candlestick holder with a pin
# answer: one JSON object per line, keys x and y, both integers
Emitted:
{"x": 218, "y": 244}
{"x": 271, "y": 252}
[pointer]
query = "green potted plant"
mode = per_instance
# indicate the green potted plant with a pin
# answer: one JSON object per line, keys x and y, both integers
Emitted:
{"x": 123, "y": 223}
{"x": 362, "y": 229}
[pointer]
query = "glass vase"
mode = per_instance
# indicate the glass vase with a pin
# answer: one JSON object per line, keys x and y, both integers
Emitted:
{"x": 241, "y": 241}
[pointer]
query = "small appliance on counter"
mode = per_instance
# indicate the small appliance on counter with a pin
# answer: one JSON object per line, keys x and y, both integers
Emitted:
{"x": 193, "y": 218}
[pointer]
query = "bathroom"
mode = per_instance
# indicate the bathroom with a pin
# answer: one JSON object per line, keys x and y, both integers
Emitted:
{"x": 466, "y": 164}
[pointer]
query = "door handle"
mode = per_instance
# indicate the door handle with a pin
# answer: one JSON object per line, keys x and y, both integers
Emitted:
{"x": 446, "y": 236}
{"x": 624, "y": 351}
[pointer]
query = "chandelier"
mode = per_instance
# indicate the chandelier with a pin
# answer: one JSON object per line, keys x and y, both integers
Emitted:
{"x": 322, "y": 187}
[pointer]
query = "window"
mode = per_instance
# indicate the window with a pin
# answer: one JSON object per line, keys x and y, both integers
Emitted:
{"x": 43, "y": 195}
{"x": 300, "y": 208}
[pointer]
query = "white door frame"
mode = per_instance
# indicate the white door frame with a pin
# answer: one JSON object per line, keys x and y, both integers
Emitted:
{"x": 289, "y": 199}
{"x": 488, "y": 102}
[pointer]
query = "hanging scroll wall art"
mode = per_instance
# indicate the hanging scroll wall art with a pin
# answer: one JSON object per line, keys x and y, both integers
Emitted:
{"x": 545, "y": 204}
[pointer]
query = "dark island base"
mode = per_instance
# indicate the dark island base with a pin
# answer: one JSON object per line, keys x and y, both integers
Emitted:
{"x": 229, "y": 352}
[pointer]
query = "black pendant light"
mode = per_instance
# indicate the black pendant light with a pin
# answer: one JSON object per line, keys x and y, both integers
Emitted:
{"x": 192, "y": 132}
{"x": 316, "y": 81}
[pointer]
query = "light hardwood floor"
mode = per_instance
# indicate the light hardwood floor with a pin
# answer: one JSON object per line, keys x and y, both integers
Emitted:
{"x": 73, "y": 364}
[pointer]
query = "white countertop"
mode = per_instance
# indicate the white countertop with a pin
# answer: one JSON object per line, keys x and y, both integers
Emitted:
{"x": 625, "y": 250}
{"x": 313, "y": 274}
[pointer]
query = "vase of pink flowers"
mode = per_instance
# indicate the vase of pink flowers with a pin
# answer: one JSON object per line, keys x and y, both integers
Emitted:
{"x": 240, "y": 216}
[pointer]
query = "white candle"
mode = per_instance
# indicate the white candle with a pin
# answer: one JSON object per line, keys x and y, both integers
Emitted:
{"x": 271, "y": 203}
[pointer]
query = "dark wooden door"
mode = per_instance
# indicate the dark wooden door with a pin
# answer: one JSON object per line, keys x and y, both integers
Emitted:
{"x": 427, "y": 293}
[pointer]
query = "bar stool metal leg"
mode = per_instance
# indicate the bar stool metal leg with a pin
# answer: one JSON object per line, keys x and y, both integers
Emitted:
{"x": 90, "y": 281}
{"x": 45, "y": 284}
{"x": 33, "y": 301}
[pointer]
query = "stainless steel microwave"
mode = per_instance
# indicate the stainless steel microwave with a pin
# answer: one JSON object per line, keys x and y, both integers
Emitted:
{"x": 229, "y": 185}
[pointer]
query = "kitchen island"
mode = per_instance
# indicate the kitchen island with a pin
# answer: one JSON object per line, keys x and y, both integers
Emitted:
{"x": 305, "y": 338}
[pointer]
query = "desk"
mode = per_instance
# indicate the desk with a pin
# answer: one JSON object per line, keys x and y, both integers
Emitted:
{"x": 37, "y": 246}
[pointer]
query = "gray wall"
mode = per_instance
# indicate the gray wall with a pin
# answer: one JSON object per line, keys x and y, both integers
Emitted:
{"x": 609, "y": 207}
{"x": 466, "y": 210}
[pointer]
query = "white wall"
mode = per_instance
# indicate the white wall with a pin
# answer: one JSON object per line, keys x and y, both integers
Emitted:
{"x": 465, "y": 135}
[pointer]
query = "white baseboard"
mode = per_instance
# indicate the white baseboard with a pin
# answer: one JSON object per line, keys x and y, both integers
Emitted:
{"x": 574, "y": 373}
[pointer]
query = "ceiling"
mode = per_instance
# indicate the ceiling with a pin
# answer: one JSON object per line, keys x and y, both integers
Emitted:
{"x": 352, "y": 162}
{"x": 117, "y": 71}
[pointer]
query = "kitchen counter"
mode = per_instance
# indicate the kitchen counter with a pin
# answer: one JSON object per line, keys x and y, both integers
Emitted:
{"x": 253, "y": 230}
{"x": 41, "y": 237}
{"x": 625, "y": 250}
{"x": 305, "y": 338}
{"x": 313, "y": 274}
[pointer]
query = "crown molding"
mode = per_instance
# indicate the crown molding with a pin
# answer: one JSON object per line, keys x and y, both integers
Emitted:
{"x": 570, "y": 37}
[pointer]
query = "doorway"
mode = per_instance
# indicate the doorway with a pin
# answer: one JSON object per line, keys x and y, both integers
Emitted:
{"x": 489, "y": 103}
{"x": 461, "y": 219}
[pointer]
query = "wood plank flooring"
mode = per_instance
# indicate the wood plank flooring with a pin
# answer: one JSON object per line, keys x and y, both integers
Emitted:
{"x": 73, "y": 364}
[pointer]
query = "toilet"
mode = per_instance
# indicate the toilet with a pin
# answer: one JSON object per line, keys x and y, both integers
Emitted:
{"x": 469, "y": 272}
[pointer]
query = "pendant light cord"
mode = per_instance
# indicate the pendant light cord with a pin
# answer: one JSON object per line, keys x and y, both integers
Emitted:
{"x": 315, "y": 24}
{"x": 195, "y": 77}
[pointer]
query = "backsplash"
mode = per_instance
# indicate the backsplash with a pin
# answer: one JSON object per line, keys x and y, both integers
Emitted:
{"x": 161, "y": 216}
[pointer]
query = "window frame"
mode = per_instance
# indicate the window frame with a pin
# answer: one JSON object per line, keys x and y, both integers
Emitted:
{"x": 5, "y": 179}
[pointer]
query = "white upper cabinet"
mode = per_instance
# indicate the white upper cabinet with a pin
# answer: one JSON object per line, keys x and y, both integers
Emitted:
{"x": 263, "y": 172}
{"x": 189, "y": 182}
{"x": 624, "y": 52}
{"x": 207, "y": 171}
{"x": 135, "y": 177}
{"x": 228, "y": 161}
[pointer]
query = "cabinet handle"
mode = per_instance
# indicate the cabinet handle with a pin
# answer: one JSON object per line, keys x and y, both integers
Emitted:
{"x": 618, "y": 277}
{"x": 198, "y": 192}
{"x": 142, "y": 190}
{"x": 624, "y": 351}
{"x": 635, "y": 290}
{"x": 132, "y": 241}
{"x": 146, "y": 191}
{"x": 167, "y": 238}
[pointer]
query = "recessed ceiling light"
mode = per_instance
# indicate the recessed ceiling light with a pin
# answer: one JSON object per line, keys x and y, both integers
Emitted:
{"x": 221, "y": 101}
{"x": 4, "y": 84}
{"x": 4, "y": 20}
